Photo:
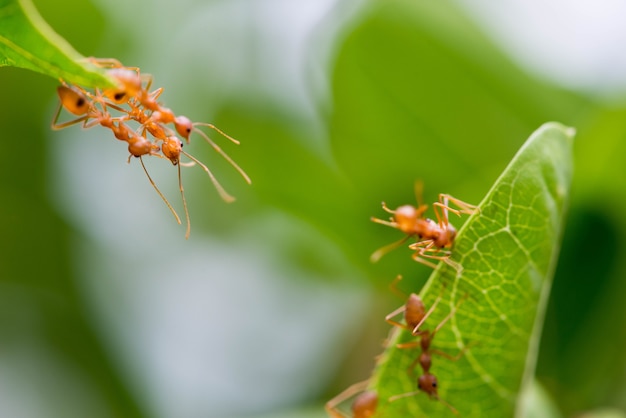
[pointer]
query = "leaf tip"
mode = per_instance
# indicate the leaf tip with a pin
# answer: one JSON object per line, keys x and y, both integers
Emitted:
{"x": 569, "y": 131}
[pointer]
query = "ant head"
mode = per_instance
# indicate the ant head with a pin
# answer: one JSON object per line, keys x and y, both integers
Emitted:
{"x": 183, "y": 126}
{"x": 129, "y": 85}
{"x": 364, "y": 405}
{"x": 73, "y": 101}
{"x": 414, "y": 310}
{"x": 446, "y": 237}
{"x": 428, "y": 383}
{"x": 172, "y": 148}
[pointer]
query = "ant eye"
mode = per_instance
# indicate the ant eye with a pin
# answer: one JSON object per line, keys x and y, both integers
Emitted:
{"x": 80, "y": 102}
{"x": 119, "y": 96}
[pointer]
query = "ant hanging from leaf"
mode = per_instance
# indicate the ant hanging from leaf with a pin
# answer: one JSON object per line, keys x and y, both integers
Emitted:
{"x": 434, "y": 239}
{"x": 131, "y": 91}
{"x": 363, "y": 406}
{"x": 79, "y": 103}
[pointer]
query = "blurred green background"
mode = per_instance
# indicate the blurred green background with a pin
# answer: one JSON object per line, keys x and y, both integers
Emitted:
{"x": 272, "y": 307}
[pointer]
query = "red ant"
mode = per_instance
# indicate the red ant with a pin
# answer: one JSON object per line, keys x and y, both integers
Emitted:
{"x": 414, "y": 310}
{"x": 434, "y": 238}
{"x": 132, "y": 92}
{"x": 363, "y": 406}
{"x": 79, "y": 103}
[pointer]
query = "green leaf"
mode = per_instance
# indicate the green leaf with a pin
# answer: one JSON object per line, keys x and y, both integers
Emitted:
{"x": 508, "y": 252}
{"x": 27, "y": 41}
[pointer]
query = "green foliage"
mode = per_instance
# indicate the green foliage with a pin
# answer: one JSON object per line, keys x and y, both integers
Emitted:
{"x": 26, "y": 41}
{"x": 417, "y": 92}
{"x": 508, "y": 253}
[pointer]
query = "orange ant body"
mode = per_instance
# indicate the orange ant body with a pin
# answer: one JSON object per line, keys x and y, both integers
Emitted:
{"x": 434, "y": 239}
{"x": 415, "y": 316}
{"x": 79, "y": 104}
{"x": 133, "y": 90}
{"x": 135, "y": 96}
{"x": 363, "y": 406}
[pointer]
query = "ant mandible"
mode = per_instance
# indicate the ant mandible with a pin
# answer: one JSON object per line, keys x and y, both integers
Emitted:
{"x": 434, "y": 238}
{"x": 363, "y": 406}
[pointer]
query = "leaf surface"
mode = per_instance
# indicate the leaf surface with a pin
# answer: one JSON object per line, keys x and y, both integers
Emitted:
{"x": 27, "y": 41}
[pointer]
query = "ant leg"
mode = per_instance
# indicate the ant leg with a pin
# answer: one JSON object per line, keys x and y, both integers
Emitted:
{"x": 215, "y": 128}
{"x": 424, "y": 249}
{"x": 378, "y": 254}
{"x": 441, "y": 212}
{"x": 104, "y": 62}
{"x": 403, "y": 346}
{"x": 451, "y": 357}
{"x": 153, "y": 95}
{"x": 148, "y": 78}
{"x": 419, "y": 192}
{"x": 450, "y": 315}
{"x": 416, "y": 392}
{"x": 433, "y": 396}
{"x": 453, "y": 264}
{"x": 159, "y": 192}
{"x": 218, "y": 186}
{"x": 58, "y": 126}
{"x": 427, "y": 263}
{"x": 393, "y": 286}
{"x": 390, "y": 316}
{"x": 386, "y": 208}
{"x": 404, "y": 395}
{"x": 182, "y": 193}
{"x": 331, "y": 406}
{"x": 109, "y": 63}
{"x": 464, "y": 207}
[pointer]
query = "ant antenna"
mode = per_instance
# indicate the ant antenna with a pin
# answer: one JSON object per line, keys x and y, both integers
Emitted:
{"x": 363, "y": 406}
{"x": 222, "y": 192}
{"x": 182, "y": 194}
{"x": 158, "y": 191}
{"x": 378, "y": 254}
{"x": 416, "y": 392}
{"x": 184, "y": 127}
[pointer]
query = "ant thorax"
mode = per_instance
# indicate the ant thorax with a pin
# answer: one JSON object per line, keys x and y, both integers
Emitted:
{"x": 406, "y": 217}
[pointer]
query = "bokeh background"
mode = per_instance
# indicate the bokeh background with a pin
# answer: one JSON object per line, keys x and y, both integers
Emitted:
{"x": 272, "y": 307}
